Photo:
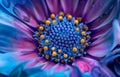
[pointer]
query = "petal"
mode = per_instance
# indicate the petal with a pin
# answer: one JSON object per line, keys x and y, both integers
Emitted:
{"x": 40, "y": 8}
{"x": 54, "y": 6}
{"x": 13, "y": 39}
{"x": 26, "y": 11}
{"x": 11, "y": 60}
{"x": 116, "y": 31}
{"x": 105, "y": 18}
{"x": 106, "y": 42}
{"x": 93, "y": 67}
{"x": 87, "y": 7}
{"x": 69, "y": 6}
{"x": 80, "y": 8}
{"x": 99, "y": 7}
{"x": 102, "y": 46}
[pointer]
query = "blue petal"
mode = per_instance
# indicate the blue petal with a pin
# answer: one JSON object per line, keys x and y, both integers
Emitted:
{"x": 8, "y": 63}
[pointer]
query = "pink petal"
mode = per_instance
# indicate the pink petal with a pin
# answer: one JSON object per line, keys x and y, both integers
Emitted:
{"x": 54, "y": 6}
{"x": 69, "y": 6}
{"x": 97, "y": 10}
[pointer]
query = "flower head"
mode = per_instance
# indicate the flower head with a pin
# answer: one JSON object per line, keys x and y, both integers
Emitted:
{"x": 65, "y": 37}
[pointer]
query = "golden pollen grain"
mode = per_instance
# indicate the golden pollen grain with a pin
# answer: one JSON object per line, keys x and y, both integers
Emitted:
{"x": 82, "y": 41}
{"x": 54, "y": 53}
{"x": 52, "y": 16}
{"x": 47, "y": 22}
{"x": 74, "y": 49}
{"x": 76, "y": 22}
{"x": 45, "y": 48}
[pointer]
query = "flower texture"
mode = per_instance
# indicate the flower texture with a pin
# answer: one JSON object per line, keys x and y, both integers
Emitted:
{"x": 59, "y": 38}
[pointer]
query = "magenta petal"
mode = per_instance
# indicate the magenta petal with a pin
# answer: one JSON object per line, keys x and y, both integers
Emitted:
{"x": 40, "y": 9}
{"x": 69, "y": 6}
{"x": 87, "y": 7}
{"x": 106, "y": 42}
{"x": 106, "y": 19}
{"x": 54, "y": 6}
{"x": 80, "y": 8}
{"x": 98, "y": 9}
{"x": 102, "y": 45}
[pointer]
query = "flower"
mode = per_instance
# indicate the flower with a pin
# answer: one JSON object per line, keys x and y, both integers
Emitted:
{"x": 51, "y": 38}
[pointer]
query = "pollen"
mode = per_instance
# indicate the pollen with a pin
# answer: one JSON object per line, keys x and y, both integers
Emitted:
{"x": 54, "y": 53}
{"x": 77, "y": 29}
{"x": 74, "y": 49}
{"x": 61, "y": 13}
{"x": 41, "y": 28}
{"x": 47, "y": 41}
{"x": 59, "y": 51}
{"x": 65, "y": 55}
{"x": 45, "y": 48}
{"x": 52, "y": 16}
{"x": 60, "y": 18}
{"x": 53, "y": 49}
{"x": 54, "y": 21}
{"x": 47, "y": 22}
{"x": 76, "y": 22}
{"x": 83, "y": 33}
{"x": 82, "y": 41}
{"x": 69, "y": 17}
{"x": 42, "y": 36}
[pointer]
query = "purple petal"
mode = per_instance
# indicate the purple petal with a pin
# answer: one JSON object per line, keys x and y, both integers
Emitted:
{"x": 99, "y": 7}
{"x": 54, "y": 6}
{"x": 87, "y": 7}
{"x": 69, "y": 6}
{"x": 105, "y": 19}
{"x": 102, "y": 45}
{"x": 40, "y": 9}
{"x": 80, "y": 8}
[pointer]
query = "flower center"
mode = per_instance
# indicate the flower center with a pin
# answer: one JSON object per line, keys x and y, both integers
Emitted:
{"x": 62, "y": 38}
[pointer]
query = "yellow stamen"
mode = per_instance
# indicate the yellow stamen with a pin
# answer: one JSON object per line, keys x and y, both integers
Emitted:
{"x": 53, "y": 48}
{"x": 76, "y": 22}
{"x": 59, "y": 51}
{"x": 54, "y": 21}
{"x": 74, "y": 49}
{"x": 61, "y": 13}
{"x": 54, "y": 53}
{"x": 47, "y": 41}
{"x": 42, "y": 36}
{"x": 77, "y": 29}
{"x": 41, "y": 28}
{"x": 52, "y": 16}
{"x": 65, "y": 55}
{"x": 83, "y": 33}
{"x": 82, "y": 41}
{"x": 47, "y": 22}
{"x": 45, "y": 48}
{"x": 60, "y": 18}
{"x": 69, "y": 17}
